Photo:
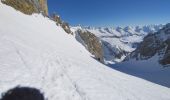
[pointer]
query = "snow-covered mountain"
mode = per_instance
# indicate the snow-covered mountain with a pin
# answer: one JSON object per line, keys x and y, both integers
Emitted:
{"x": 151, "y": 60}
{"x": 145, "y": 50}
{"x": 118, "y": 42}
{"x": 157, "y": 43}
{"x": 35, "y": 52}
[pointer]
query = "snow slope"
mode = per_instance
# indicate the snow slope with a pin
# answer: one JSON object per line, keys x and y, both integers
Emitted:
{"x": 149, "y": 70}
{"x": 35, "y": 52}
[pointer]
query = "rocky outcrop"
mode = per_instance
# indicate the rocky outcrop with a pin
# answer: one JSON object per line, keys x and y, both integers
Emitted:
{"x": 154, "y": 44}
{"x": 61, "y": 23}
{"x": 43, "y": 6}
{"x": 57, "y": 19}
{"x": 147, "y": 48}
{"x": 92, "y": 43}
{"x": 66, "y": 27}
{"x": 28, "y": 6}
{"x": 166, "y": 58}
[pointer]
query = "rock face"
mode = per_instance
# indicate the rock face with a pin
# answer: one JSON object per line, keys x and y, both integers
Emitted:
{"x": 61, "y": 23}
{"x": 57, "y": 19}
{"x": 154, "y": 44}
{"x": 92, "y": 43}
{"x": 166, "y": 58}
{"x": 43, "y": 6}
{"x": 28, "y": 6}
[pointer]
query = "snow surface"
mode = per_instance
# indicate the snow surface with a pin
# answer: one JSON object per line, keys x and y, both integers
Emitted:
{"x": 35, "y": 52}
{"x": 149, "y": 70}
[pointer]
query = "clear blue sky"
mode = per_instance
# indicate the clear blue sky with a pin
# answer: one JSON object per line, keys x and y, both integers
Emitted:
{"x": 112, "y": 12}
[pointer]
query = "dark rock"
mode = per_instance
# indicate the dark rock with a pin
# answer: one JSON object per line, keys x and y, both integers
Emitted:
{"x": 154, "y": 43}
{"x": 66, "y": 28}
{"x": 57, "y": 19}
{"x": 166, "y": 58}
{"x": 92, "y": 43}
{"x": 59, "y": 22}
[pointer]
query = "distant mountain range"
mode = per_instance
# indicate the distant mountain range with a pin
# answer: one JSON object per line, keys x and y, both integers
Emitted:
{"x": 151, "y": 59}
{"x": 119, "y": 42}
{"x": 139, "y": 51}
{"x": 154, "y": 45}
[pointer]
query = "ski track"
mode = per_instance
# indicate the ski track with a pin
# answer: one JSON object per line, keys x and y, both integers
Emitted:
{"x": 53, "y": 68}
{"x": 59, "y": 70}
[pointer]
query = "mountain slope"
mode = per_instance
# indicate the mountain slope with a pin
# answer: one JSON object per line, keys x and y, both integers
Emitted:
{"x": 35, "y": 52}
{"x": 151, "y": 60}
{"x": 118, "y": 42}
{"x": 157, "y": 43}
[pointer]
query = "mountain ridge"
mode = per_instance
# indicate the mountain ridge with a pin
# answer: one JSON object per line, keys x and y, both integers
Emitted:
{"x": 156, "y": 43}
{"x": 118, "y": 42}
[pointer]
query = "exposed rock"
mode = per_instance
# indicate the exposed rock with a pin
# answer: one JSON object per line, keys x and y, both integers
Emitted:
{"x": 92, "y": 43}
{"x": 43, "y": 6}
{"x": 57, "y": 19}
{"x": 166, "y": 58}
{"x": 154, "y": 44}
{"x": 64, "y": 25}
{"x": 28, "y": 6}
{"x": 148, "y": 48}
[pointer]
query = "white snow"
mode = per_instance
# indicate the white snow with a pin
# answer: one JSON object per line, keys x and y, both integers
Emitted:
{"x": 35, "y": 52}
{"x": 149, "y": 70}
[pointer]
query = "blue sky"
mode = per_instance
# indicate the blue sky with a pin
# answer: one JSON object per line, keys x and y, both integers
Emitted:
{"x": 112, "y": 12}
